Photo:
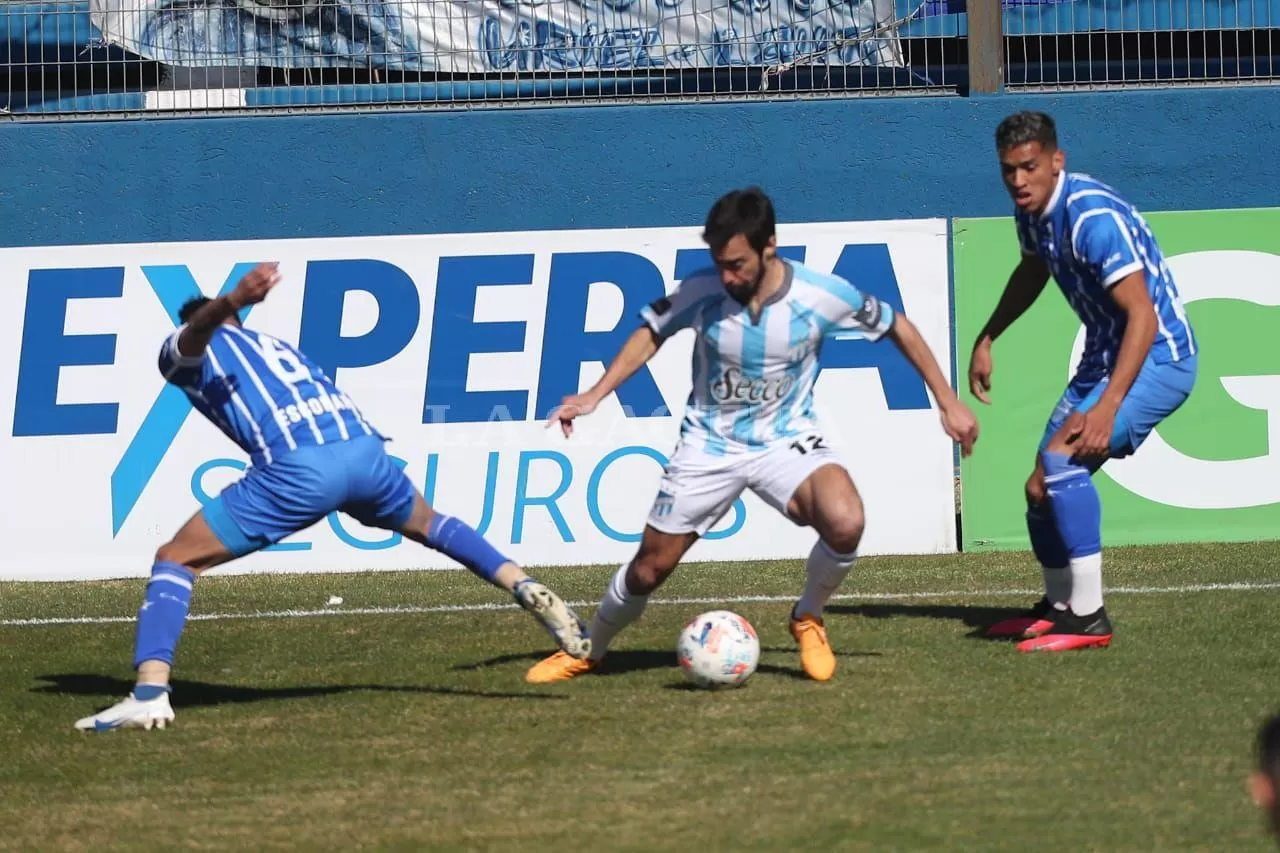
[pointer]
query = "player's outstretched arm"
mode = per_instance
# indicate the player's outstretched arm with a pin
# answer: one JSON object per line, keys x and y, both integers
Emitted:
{"x": 958, "y": 422}
{"x": 250, "y": 290}
{"x": 1024, "y": 286}
{"x": 635, "y": 353}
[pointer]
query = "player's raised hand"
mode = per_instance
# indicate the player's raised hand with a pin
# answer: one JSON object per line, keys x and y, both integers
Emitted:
{"x": 571, "y": 407}
{"x": 255, "y": 285}
{"x": 980, "y": 368}
{"x": 959, "y": 422}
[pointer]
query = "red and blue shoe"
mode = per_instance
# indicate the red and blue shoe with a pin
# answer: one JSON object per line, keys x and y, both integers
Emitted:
{"x": 1033, "y": 623}
{"x": 1072, "y": 631}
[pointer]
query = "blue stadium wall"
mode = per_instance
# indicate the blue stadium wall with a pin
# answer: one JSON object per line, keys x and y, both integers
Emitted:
{"x": 496, "y": 170}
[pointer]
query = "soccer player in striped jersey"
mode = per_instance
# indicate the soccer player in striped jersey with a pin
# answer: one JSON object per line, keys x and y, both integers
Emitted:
{"x": 749, "y": 423}
{"x": 313, "y": 453}
{"x": 1138, "y": 366}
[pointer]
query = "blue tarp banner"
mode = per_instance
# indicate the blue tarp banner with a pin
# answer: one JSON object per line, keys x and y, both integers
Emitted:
{"x": 479, "y": 36}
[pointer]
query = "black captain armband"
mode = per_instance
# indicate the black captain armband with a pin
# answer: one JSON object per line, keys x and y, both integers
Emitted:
{"x": 660, "y": 306}
{"x": 868, "y": 314}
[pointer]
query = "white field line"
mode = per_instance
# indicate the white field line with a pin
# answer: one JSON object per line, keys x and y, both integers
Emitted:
{"x": 733, "y": 599}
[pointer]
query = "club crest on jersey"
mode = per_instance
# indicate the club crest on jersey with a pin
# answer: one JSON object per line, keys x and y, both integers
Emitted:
{"x": 801, "y": 351}
{"x": 220, "y": 390}
{"x": 733, "y": 387}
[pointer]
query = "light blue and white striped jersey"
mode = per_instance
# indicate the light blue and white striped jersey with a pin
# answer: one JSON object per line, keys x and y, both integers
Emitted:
{"x": 1091, "y": 239}
{"x": 753, "y": 377}
{"x": 263, "y": 393}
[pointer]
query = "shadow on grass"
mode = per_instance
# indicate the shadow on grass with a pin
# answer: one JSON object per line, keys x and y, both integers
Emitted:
{"x": 188, "y": 694}
{"x": 616, "y": 663}
{"x": 638, "y": 660}
{"x": 977, "y": 617}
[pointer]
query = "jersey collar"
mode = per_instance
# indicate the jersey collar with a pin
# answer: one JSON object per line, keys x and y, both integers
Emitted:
{"x": 788, "y": 273}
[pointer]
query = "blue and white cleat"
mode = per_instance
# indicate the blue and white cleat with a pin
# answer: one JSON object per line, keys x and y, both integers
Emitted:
{"x": 130, "y": 713}
{"x": 568, "y": 629}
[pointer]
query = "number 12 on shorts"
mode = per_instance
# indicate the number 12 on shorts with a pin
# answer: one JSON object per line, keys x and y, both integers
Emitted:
{"x": 806, "y": 443}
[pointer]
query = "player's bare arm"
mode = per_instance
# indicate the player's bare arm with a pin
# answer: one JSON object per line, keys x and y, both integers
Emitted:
{"x": 250, "y": 290}
{"x": 1092, "y": 430}
{"x": 1024, "y": 287}
{"x": 635, "y": 353}
{"x": 958, "y": 422}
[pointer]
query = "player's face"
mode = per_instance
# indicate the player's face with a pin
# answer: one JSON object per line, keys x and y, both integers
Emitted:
{"x": 742, "y": 267}
{"x": 1031, "y": 174}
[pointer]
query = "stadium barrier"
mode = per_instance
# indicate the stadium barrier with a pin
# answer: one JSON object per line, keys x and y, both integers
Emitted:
{"x": 115, "y": 58}
{"x": 73, "y": 58}
{"x": 129, "y": 214}
{"x": 450, "y": 348}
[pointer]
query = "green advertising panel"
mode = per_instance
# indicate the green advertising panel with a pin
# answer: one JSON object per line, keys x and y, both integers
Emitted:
{"x": 1211, "y": 472}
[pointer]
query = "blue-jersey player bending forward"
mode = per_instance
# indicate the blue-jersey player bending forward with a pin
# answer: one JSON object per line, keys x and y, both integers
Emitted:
{"x": 312, "y": 453}
{"x": 1138, "y": 366}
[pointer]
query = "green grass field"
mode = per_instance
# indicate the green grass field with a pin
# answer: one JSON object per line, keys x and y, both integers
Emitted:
{"x": 415, "y": 730}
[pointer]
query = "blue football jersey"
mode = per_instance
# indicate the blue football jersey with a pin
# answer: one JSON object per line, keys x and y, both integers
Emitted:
{"x": 1091, "y": 239}
{"x": 264, "y": 394}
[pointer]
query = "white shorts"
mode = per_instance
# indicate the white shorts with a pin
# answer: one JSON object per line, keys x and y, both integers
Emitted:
{"x": 698, "y": 489}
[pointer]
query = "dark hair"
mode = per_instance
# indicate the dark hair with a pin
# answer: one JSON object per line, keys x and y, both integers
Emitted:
{"x": 1027, "y": 126}
{"x": 747, "y": 212}
{"x": 1269, "y": 749}
{"x": 191, "y": 306}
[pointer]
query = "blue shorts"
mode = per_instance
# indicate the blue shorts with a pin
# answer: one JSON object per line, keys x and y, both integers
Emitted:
{"x": 1157, "y": 393}
{"x": 294, "y": 492}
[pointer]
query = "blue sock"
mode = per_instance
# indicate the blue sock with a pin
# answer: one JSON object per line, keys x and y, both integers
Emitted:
{"x": 163, "y": 613}
{"x": 458, "y": 540}
{"x": 147, "y": 692}
{"x": 1077, "y": 512}
{"x": 1045, "y": 541}
{"x": 1050, "y": 553}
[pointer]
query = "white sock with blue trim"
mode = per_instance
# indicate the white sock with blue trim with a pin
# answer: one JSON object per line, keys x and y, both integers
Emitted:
{"x": 618, "y": 608}
{"x": 825, "y": 571}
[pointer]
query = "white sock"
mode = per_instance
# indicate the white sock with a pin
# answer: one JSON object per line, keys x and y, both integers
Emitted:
{"x": 618, "y": 609}
{"x": 1057, "y": 585}
{"x": 1086, "y": 584}
{"x": 825, "y": 571}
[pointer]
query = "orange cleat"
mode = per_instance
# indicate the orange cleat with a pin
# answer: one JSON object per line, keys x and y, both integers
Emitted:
{"x": 559, "y": 667}
{"x": 816, "y": 657}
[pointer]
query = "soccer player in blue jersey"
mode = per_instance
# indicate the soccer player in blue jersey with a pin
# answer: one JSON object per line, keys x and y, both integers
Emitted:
{"x": 312, "y": 453}
{"x": 1138, "y": 366}
{"x": 749, "y": 423}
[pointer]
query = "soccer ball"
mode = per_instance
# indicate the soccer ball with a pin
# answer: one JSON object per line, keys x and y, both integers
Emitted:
{"x": 718, "y": 649}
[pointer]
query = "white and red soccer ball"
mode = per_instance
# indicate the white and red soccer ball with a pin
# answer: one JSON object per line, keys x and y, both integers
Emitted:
{"x": 718, "y": 649}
